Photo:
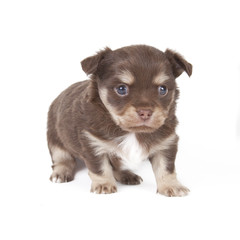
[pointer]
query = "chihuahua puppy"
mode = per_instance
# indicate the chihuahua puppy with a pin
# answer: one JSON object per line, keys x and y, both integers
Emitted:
{"x": 122, "y": 115}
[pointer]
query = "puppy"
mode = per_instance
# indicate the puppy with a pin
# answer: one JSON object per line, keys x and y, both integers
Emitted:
{"x": 123, "y": 115}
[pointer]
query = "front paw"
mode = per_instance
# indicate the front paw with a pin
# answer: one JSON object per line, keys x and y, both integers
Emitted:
{"x": 173, "y": 190}
{"x": 105, "y": 188}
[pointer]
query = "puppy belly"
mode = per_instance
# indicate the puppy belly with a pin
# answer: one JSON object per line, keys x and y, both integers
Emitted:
{"x": 131, "y": 152}
{"x": 131, "y": 160}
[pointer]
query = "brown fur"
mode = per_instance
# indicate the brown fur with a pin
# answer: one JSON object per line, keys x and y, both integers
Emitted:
{"x": 90, "y": 121}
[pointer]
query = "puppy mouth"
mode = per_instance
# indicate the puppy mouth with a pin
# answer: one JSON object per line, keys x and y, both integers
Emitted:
{"x": 139, "y": 121}
{"x": 143, "y": 126}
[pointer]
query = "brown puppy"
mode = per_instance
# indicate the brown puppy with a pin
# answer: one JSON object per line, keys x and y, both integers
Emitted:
{"x": 124, "y": 114}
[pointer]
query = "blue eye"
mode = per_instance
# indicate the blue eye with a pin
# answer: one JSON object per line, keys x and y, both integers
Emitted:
{"x": 122, "y": 90}
{"x": 163, "y": 90}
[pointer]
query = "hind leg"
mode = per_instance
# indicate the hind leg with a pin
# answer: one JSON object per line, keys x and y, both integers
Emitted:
{"x": 127, "y": 177}
{"x": 63, "y": 165}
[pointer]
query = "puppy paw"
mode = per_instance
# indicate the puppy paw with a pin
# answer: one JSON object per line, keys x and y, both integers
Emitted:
{"x": 56, "y": 178}
{"x": 105, "y": 188}
{"x": 128, "y": 178}
{"x": 176, "y": 190}
{"x": 60, "y": 176}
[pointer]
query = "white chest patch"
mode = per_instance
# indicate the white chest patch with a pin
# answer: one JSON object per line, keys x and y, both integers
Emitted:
{"x": 127, "y": 148}
{"x": 131, "y": 152}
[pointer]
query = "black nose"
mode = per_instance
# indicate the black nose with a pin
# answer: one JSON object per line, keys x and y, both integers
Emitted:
{"x": 145, "y": 114}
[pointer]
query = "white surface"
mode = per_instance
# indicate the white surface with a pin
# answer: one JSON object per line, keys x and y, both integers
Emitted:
{"x": 41, "y": 45}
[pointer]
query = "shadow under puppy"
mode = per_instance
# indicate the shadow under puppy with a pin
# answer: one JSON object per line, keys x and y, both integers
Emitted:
{"x": 124, "y": 114}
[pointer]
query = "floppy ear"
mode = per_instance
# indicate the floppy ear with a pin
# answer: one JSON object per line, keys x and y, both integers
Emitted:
{"x": 90, "y": 64}
{"x": 179, "y": 64}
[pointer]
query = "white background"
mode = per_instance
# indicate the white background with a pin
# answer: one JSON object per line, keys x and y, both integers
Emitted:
{"x": 41, "y": 46}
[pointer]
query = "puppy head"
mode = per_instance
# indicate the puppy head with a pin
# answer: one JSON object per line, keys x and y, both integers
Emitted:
{"x": 137, "y": 84}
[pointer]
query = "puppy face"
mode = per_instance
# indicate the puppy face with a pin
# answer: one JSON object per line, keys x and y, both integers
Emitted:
{"x": 137, "y": 84}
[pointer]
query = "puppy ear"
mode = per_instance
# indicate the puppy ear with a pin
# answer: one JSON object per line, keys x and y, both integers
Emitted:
{"x": 90, "y": 64}
{"x": 179, "y": 64}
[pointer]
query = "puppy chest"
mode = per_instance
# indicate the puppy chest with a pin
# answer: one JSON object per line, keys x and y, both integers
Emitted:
{"x": 131, "y": 152}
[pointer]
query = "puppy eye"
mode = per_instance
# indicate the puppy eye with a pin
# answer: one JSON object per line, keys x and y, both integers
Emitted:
{"x": 162, "y": 90}
{"x": 122, "y": 90}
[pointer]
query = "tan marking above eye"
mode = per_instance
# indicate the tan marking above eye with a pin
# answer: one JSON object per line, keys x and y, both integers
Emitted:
{"x": 160, "y": 78}
{"x": 126, "y": 77}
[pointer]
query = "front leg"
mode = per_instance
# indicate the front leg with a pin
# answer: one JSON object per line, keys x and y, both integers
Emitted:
{"x": 96, "y": 159}
{"x": 163, "y": 164}
{"x": 103, "y": 180}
